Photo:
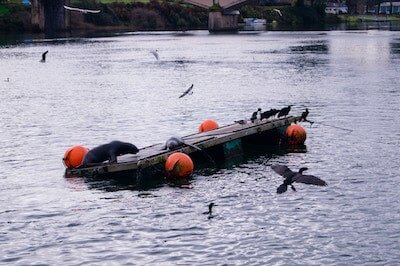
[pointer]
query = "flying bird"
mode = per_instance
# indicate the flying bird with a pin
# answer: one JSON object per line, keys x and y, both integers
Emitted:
{"x": 155, "y": 53}
{"x": 44, "y": 57}
{"x": 284, "y": 111}
{"x": 186, "y": 92}
{"x": 277, "y": 11}
{"x": 291, "y": 177}
{"x": 82, "y": 10}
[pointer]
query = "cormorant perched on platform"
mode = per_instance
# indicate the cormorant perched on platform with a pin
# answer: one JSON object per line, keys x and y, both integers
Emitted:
{"x": 269, "y": 113}
{"x": 256, "y": 115}
{"x": 284, "y": 111}
{"x": 291, "y": 177}
{"x": 304, "y": 117}
{"x": 44, "y": 57}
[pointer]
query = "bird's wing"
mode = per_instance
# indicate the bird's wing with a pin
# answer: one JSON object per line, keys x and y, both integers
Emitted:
{"x": 309, "y": 179}
{"x": 283, "y": 170}
{"x": 91, "y": 11}
{"x": 278, "y": 11}
{"x": 155, "y": 54}
{"x": 82, "y": 10}
{"x": 186, "y": 92}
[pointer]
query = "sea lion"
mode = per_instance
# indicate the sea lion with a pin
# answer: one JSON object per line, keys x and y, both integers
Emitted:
{"x": 174, "y": 143}
{"x": 109, "y": 152}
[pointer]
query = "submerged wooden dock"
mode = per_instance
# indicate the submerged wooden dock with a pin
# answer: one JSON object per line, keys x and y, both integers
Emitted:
{"x": 220, "y": 143}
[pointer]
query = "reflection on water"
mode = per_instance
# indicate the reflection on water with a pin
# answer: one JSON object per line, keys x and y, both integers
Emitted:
{"x": 94, "y": 90}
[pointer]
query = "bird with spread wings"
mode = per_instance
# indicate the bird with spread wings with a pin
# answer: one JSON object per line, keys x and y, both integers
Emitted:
{"x": 86, "y": 11}
{"x": 291, "y": 177}
{"x": 188, "y": 91}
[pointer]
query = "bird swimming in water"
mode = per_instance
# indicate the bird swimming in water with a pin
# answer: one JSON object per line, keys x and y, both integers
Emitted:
{"x": 304, "y": 115}
{"x": 209, "y": 212}
{"x": 44, "y": 57}
{"x": 155, "y": 53}
{"x": 291, "y": 177}
{"x": 210, "y": 206}
{"x": 256, "y": 115}
{"x": 188, "y": 91}
{"x": 269, "y": 113}
{"x": 284, "y": 111}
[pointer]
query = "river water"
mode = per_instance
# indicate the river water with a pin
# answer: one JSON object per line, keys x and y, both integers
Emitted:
{"x": 94, "y": 90}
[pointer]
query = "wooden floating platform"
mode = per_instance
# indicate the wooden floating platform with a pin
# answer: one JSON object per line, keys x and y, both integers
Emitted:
{"x": 223, "y": 142}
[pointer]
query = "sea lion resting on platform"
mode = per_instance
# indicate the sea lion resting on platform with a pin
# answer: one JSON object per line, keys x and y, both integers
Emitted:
{"x": 109, "y": 152}
{"x": 174, "y": 143}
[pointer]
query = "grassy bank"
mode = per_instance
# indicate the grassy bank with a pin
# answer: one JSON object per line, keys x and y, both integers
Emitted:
{"x": 14, "y": 17}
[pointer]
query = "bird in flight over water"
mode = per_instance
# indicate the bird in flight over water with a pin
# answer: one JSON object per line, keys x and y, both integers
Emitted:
{"x": 291, "y": 177}
{"x": 155, "y": 53}
{"x": 278, "y": 11}
{"x": 82, "y": 10}
{"x": 44, "y": 57}
{"x": 186, "y": 92}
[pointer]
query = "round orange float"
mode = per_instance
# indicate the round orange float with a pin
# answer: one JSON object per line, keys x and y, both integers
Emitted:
{"x": 208, "y": 125}
{"x": 295, "y": 135}
{"x": 73, "y": 157}
{"x": 179, "y": 165}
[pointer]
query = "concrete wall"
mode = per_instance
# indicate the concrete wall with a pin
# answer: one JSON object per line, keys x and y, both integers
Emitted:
{"x": 220, "y": 22}
{"x": 50, "y": 15}
{"x": 37, "y": 10}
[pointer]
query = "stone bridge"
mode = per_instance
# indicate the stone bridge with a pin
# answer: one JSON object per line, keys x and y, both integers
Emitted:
{"x": 224, "y": 4}
{"x": 49, "y": 15}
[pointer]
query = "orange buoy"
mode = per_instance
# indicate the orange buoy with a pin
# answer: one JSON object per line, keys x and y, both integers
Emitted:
{"x": 179, "y": 165}
{"x": 73, "y": 157}
{"x": 295, "y": 135}
{"x": 208, "y": 125}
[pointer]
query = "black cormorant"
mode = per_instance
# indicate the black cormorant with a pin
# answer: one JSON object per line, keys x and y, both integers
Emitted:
{"x": 284, "y": 111}
{"x": 291, "y": 177}
{"x": 44, "y": 57}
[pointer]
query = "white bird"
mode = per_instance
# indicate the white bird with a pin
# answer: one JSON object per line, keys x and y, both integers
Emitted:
{"x": 278, "y": 11}
{"x": 82, "y": 10}
{"x": 155, "y": 53}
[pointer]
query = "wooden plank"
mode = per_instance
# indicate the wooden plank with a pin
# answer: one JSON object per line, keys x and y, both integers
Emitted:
{"x": 154, "y": 154}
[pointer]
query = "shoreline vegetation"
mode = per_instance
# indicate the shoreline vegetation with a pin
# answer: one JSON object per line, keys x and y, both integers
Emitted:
{"x": 145, "y": 15}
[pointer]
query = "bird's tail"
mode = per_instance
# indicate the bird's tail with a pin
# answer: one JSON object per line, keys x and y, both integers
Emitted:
{"x": 281, "y": 189}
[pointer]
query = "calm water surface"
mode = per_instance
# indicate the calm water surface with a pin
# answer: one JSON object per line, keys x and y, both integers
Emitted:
{"x": 94, "y": 90}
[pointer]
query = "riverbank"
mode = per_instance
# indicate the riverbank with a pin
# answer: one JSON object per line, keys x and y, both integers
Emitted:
{"x": 154, "y": 15}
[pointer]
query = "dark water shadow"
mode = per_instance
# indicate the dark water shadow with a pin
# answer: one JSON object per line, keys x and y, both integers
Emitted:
{"x": 156, "y": 178}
